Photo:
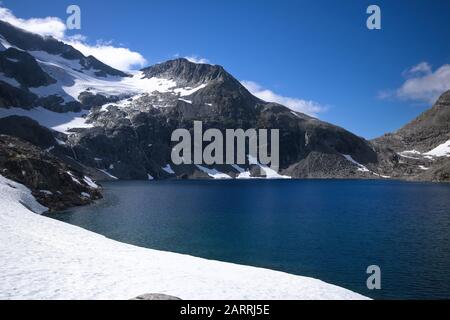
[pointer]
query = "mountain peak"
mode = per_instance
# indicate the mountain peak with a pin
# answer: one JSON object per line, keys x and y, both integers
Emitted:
{"x": 186, "y": 72}
{"x": 444, "y": 98}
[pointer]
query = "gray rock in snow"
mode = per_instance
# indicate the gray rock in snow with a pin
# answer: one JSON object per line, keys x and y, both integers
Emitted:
{"x": 156, "y": 297}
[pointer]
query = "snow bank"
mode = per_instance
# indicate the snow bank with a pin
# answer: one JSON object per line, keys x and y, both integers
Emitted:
{"x": 269, "y": 172}
{"x": 43, "y": 258}
{"x": 187, "y": 101}
{"x": 363, "y": 168}
{"x": 90, "y": 182}
{"x": 442, "y": 150}
{"x": 213, "y": 173}
{"x": 108, "y": 174}
{"x": 61, "y": 122}
{"x": 187, "y": 91}
{"x": 168, "y": 169}
{"x": 11, "y": 81}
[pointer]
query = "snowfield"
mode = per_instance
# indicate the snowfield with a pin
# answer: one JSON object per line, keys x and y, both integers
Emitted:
{"x": 41, "y": 258}
{"x": 442, "y": 150}
{"x": 213, "y": 173}
{"x": 61, "y": 122}
{"x": 72, "y": 80}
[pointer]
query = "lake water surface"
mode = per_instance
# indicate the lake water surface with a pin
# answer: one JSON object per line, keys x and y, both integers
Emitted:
{"x": 327, "y": 229}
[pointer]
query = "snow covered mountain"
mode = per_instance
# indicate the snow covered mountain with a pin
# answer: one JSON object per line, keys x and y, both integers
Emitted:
{"x": 118, "y": 125}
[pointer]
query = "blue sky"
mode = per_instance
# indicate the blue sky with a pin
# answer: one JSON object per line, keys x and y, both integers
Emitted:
{"x": 369, "y": 82}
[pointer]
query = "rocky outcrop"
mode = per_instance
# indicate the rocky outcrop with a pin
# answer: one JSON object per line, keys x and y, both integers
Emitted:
{"x": 11, "y": 96}
{"x": 409, "y": 146}
{"x": 53, "y": 183}
{"x": 22, "y": 67}
{"x": 427, "y": 131}
{"x": 90, "y": 100}
{"x": 28, "y": 130}
{"x": 135, "y": 141}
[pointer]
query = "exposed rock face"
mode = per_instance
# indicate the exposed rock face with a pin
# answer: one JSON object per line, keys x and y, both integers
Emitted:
{"x": 28, "y": 130}
{"x": 427, "y": 131}
{"x": 135, "y": 141}
{"x": 438, "y": 173}
{"x": 21, "y": 66}
{"x": 53, "y": 183}
{"x": 90, "y": 100}
{"x": 187, "y": 73}
{"x": 11, "y": 96}
{"x": 411, "y": 145}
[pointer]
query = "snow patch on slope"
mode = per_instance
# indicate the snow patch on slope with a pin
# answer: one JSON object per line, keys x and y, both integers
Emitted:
{"x": 108, "y": 174}
{"x": 16, "y": 196}
{"x": 61, "y": 122}
{"x": 11, "y": 81}
{"x": 90, "y": 182}
{"x": 442, "y": 150}
{"x": 188, "y": 91}
{"x": 187, "y": 101}
{"x": 213, "y": 173}
{"x": 168, "y": 169}
{"x": 269, "y": 172}
{"x": 73, "y": 79}
{"x": 363, "y": 168}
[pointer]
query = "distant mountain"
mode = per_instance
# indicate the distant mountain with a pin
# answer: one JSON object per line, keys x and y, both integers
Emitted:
{"x": 423, "y": 145}
{"x": 119, "y": 125}
{"x": 424, "y": 133}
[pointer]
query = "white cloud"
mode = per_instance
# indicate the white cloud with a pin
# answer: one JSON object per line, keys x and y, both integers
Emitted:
{"x": 422, "y": 84}
{"x": 117, "y": 57}
{"x": 421, "y": 68}
{"x": 49, "y": 26}
{"x": 308, "y": 107}
{"x": 196, "y": 59}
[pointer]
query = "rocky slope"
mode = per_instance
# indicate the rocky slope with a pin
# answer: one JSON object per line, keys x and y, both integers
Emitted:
{"x": 422, "y": 147}
{"x": 424, "y": 133}
{"x": 125, "y": 130}
{"x": 53, "y": 183}
{"x": 133, "y": 138}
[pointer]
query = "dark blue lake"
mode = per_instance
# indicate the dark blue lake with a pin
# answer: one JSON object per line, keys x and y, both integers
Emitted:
{"x": 331, "y": 230}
